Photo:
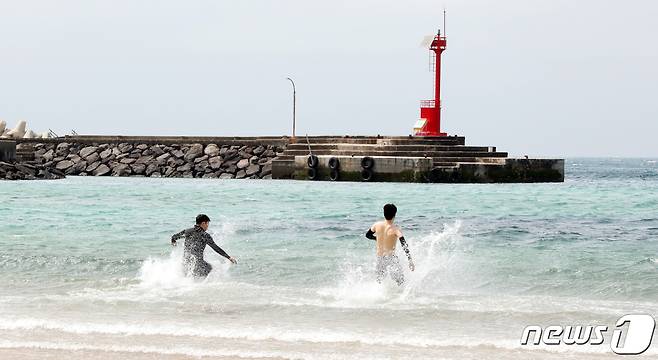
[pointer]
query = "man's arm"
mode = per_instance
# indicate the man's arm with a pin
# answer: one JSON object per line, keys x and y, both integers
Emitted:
{"x": 176, "y": 237}
{"x": 219, "y": 250}
{"x": 405, "y": 247}
{"x": 371, "y": 233}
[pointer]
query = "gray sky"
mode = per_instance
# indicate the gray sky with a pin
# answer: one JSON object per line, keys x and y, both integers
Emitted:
{"x": 544, "y": 78}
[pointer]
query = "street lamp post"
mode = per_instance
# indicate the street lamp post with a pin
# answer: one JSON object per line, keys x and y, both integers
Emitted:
{"x": 294, "y": 106}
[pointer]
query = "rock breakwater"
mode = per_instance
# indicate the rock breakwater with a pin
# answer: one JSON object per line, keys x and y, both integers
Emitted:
{"x": 158, "y": 160}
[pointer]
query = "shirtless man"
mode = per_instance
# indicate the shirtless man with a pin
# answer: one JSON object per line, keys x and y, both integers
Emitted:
{"x": 196, "y": 239}
{"x": 387, "y": 234}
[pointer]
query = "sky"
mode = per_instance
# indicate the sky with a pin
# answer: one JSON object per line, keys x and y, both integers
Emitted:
{"x": 552, "y": 78}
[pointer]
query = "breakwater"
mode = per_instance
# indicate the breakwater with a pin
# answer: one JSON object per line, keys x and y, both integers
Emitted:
{"x": 10, "y": 169}
{"x": 335, "y": 158}
{"x": 222, "y": 158}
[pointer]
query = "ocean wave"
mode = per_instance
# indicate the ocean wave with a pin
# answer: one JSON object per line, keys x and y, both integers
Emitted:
{"x": 176, "y": 350}
{"x": 278, "y": 335}
{"x": 241, "y": 333}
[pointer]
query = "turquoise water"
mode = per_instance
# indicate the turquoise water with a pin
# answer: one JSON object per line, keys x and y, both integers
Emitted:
{"x": 87, "y": 264}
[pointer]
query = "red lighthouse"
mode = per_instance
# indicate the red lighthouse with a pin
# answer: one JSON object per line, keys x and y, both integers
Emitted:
{"x": 430, "y": 110}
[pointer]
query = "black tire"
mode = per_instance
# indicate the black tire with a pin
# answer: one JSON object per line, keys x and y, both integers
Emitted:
{"x": 334, "y": 163}
{"x": 334, "y": 175}
{"x": 366, "y": 174}
{"x": 367, "y": 162}
{"x": 312, "y": 161}
{"x": 312, "y": 173}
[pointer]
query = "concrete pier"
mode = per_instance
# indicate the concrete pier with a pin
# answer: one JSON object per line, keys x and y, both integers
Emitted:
{"x": 443, "y": 159}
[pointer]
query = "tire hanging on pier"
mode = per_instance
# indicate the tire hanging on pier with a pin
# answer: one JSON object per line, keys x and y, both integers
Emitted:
{"x": 312, "y": 161}
{"x": 334, "y": 163}
{"x": 367, "y": 162}
{"x": 334, "y": 175}
{"x": 312, "y": 173}
{"x": 366, "y": 174}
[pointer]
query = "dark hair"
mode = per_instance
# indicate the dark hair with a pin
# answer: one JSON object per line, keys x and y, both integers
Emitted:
{"x": 389, "y": 211}
{"x": 201, "y": 218}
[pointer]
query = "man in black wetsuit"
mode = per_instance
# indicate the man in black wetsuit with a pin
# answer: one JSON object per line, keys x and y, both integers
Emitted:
{"x": 196, "y": 239}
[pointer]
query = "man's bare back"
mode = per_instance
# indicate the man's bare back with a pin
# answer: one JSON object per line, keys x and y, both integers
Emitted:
{"x": 387, "y": 235}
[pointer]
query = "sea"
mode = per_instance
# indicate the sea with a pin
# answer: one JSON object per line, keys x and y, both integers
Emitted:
{"x": 87, "y": 270}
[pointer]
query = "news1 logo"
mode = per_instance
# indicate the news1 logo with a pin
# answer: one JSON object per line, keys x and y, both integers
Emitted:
{"x": 632, "y": 334}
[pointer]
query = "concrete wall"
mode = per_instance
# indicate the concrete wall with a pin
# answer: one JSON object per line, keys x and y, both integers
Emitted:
{"x": 513, "y": 171}
{"x": 386, "y": 168}
{"x": 7, "y": 150}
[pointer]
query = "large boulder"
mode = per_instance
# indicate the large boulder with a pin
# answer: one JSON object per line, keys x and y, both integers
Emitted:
{"x": 184, "y": 168}
{"x": 200, "y": 159}
{"x": 86, "y": 151}
{"x": 92, "y": 158}
{"x": 211, "y": 150}
{"x": 101, "y": 170}
{"x": 177, "y": 153}
{"x": 144, "y": 160}
{"x": 121, "y": 170}
{"x": 64, "y": 164}
{"x": 226, "y": 176}
{"x": 194, "y": 152}
{"x": 106, "y": 153}
{"x": 162, "y": 158}
{"x": 157, "y": 150}
{"x": 138, "y": 168}
{"x": 125, "y": 148}
{"x": 243, "y": 163}
{"x": 93, "y": 166}
{"x": 48, "y": 156}
{"x": 62, "y": 149}
{"x": 201, "y": 166}
{"x": 266, "y": 170}
{"x": 259, "y": 150}
{"x": 151, "y": 168}
{"x": 215, "y": 162}
{"x": 252, "y": 169}
{"x": 230, "y": 154}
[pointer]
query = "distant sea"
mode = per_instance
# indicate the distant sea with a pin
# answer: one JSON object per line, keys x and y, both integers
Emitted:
{"x": 87, "y": 270}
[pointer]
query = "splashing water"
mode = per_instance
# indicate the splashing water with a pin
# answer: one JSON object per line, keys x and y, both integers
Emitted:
{"x": 435, "y": 256}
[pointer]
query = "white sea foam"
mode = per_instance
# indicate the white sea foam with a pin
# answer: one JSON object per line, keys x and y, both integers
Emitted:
{"x": 167, "y": 273}
{"x": 216, "y": 332}
{"x": 320, "y": 336}
{"x": 176, "y": 350}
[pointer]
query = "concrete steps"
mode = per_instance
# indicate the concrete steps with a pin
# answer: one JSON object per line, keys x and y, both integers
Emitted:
{"x": 385, "y": 140}
{"x": 411, "y": 159}
{"x": 432, "y": 154}
{"x": 25, "y": 152}
{"x": 376, "y": 147}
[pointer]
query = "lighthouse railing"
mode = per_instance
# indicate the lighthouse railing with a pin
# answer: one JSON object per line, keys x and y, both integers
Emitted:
{"x": 427, "y": 103}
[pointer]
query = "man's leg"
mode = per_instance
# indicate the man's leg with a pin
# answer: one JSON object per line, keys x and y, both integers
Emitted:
{"x": 204, "y": 269}
{"x": 395, "y": 270}
{"x": 380, "y": 269}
